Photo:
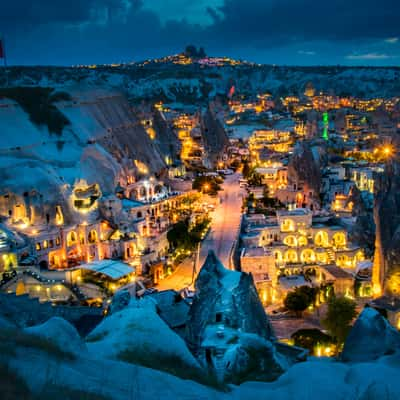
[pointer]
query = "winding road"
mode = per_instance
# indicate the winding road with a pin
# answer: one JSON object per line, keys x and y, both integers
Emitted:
{"x": 223, "y": 233}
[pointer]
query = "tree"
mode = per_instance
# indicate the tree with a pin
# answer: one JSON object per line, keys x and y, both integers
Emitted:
{"x": 255, "y": 179}
{"x": 300, "y": 298}
{"x": 309, "y": 292}
{"x": 207, "y": 184}
{"x": 296, "y": 301}
{"x": 341, "y": 312}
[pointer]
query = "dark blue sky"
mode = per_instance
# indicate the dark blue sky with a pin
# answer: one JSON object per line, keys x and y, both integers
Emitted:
{"x": 294, "y": 32}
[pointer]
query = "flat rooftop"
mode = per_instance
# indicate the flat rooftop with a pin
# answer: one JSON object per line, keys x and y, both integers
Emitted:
{"x": 337, "y": 272}
{"x": 296, "y": 212}
{"x": 256, "y": 252}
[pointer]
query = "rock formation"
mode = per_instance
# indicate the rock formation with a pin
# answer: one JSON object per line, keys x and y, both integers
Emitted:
{"x": 228, "y": 330}
{"x": 102, "y": 144}
{"x": 363, "y": 230}
{"x": 386, "y": 270}
{"x": 305, "y": 166}
{"x": 166, "y": 139}
{"x": 371, "y": 337}
{"x": 214, "y": 136}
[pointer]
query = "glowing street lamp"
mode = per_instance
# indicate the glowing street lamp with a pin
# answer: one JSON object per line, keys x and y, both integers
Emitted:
{"x": 206, "y": 187}
{"x": 387, "y": 151}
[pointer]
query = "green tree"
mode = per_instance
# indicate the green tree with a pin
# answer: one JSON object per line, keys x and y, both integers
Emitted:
{"x": 341, "y": 312}
{"x": 254, "y": 179}
{"x": 309, "y": 292}
{"x": 297, "y": 301}
{"x": 207, "y": 184}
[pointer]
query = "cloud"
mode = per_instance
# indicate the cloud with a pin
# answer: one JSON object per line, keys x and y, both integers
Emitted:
{"x": 369, "y": 56}
{"x": 109, "y": 30}
{"x": 392, "y": 40}
{"x": 307, "y": 53}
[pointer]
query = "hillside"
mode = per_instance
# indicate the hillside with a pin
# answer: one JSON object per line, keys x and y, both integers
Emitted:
{"x": 99, "y": 140}
{"x": 52, "y": 361}
{"x": 194, "y": 83}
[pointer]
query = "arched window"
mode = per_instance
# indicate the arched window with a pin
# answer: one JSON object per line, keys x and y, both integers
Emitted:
{"x": 302, "y": 241}
{"x": 72, "y": 238}
{"x": 290, "y": 241}
{"x": 308, "y": 256}
{"x": 291, "y": 256}
{"x": 278, "y": 255}
{"x": 321, "y": 239}
{"x": 92, "y": 236}
{"x": 339, "y": 239}
{"x": 287, "y": 225}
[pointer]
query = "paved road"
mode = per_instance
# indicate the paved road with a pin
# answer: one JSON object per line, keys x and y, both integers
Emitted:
{"x": 222, "y": 235}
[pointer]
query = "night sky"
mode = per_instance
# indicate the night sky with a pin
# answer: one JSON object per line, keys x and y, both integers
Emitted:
{"x": 293, "y": 32}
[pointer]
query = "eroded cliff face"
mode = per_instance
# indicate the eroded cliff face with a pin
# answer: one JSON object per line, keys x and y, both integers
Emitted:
{"x": 386, "y": 271}
{"x": 371, "y": 337}
{"x": 168, "y": 144}
{"x": 214, "y": 135}
{"x": 103, "y": 143}
{"x": 305, "y": 166}
{"x": 363, "y": 230}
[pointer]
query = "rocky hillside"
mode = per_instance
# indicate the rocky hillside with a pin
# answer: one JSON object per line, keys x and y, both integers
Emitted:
{"x": 51, "y": 361}
{"x": 55, "y": 140}
{"x": 387, "y": 220}
{"x": 195, "y": 83}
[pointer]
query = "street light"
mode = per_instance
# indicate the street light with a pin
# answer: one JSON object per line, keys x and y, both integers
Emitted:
{"x": 387, "y": 151}
{"x": 206, "y": 187}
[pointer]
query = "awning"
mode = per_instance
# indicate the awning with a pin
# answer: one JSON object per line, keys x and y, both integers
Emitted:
{"x": 112, "y": 268}
{"x": 366, "y": 264}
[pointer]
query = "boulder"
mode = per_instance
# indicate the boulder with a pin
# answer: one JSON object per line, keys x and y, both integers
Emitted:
{"x": 61, "y": 333}
{"x": 371, "y": 337}
{"x": 119, "y": 301}
{"x": 137, "y": 334}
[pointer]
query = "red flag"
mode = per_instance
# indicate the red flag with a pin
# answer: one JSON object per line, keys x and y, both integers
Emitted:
{"x": 231, "y": 91}
{"x": 1, "y": 49}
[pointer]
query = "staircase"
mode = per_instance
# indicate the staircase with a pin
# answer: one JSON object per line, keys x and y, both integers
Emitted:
{"x": 331, "y": 255}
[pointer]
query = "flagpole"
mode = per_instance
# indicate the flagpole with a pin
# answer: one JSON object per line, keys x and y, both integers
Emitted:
{"x": 5, "y": 61}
